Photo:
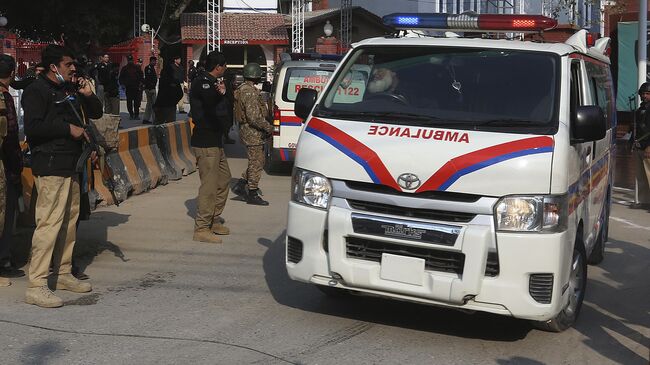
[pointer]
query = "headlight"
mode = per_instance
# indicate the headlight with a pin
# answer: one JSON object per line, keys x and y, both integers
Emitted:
{"x": 531, "y": 214}
{"x": 310, "y": 188}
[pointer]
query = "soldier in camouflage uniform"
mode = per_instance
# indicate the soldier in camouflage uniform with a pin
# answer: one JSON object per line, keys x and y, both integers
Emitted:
{"x": 251, "y": 111}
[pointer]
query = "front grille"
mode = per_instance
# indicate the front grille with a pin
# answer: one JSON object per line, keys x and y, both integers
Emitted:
{"x": 294, "y": 250}
{"x": 540, "y": 287}
{"x": 435, "y": 260}
{"x": 438, "y": 195}
{"x": 492, "y": 266}
{"x": 431, "y": 214}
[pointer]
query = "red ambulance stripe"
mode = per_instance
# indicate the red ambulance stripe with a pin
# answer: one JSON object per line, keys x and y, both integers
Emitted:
{"x": 357, "y": 148}
{"x": 468, "y": 160}
{"x": 292, "y": 121}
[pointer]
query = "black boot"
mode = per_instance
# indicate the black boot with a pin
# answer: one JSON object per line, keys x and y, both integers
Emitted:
{"x": 240, "y": 188}
{"x": 255, "y": 198}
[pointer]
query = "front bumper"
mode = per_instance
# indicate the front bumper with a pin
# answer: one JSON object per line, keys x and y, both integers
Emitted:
{"x": 325, "y": 260}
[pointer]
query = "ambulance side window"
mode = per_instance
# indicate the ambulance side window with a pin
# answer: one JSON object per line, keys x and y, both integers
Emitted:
{"x": 601, "y": 92}
{"x": 576, "y": 97}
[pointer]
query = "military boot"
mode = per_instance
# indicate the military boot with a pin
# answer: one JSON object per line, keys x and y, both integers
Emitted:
{"x": 42, "y": 296}
{"x": 255, "y": 198}
{"x": 219, "y": 228}
{"x": 205, "y": 235}
{"x": 70, "y": 283}
{"x": 240, "y": 187}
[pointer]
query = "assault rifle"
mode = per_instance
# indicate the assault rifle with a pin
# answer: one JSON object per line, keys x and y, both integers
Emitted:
{"x": 90, "y": 147}
{"x": 104, "y": 168}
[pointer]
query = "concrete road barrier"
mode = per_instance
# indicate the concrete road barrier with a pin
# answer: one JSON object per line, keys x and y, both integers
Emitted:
{"x": 146, "y": 158}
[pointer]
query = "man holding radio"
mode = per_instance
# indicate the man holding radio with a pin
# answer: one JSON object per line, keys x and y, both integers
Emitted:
{"x": 55, "y": 135}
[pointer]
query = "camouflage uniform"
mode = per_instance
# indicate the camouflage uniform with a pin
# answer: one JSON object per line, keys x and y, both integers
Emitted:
{"x": 251, "y": 111}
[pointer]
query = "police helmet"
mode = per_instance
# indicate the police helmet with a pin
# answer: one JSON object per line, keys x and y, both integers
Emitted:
{"x": 645, "y": 88}
{"x": 252, "y": 71}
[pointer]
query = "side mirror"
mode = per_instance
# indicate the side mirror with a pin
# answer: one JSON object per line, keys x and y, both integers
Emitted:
{"x": 305, "y": 101}
{"x": 266, "y": 86}
{"x": 588, "y": 124}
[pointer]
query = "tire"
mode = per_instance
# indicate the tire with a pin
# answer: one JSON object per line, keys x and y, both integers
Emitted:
{"x": 598, "y": 253}
{"x": 270, "y": 166}
{"x": 577, "y": 286}
{"x": 333, "y": 292}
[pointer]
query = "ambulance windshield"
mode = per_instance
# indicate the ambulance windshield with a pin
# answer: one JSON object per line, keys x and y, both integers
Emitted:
{"x": 461, "y": 87}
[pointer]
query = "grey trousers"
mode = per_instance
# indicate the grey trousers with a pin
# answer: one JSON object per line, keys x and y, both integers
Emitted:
{"x": 151, "y": 98}
{"x": 112, "y": 105}
{"x": 99, "y": 91}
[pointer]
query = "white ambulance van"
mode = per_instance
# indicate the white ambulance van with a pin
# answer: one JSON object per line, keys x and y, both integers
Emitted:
{"x": 296, "y": 71}
{"x": 470, "y": 173}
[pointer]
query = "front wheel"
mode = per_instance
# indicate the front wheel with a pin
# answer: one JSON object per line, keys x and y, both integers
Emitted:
{"x": 577, "y": 285}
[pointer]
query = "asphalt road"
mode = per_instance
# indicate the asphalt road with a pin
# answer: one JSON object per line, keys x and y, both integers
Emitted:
{"x": 160, "y": 298}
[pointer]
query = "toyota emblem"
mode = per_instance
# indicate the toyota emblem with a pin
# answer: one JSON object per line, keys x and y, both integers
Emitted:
{"x": 408, "y": 181}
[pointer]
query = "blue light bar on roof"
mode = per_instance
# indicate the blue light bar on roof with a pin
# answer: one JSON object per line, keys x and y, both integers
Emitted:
{"x": 416, "y": 20}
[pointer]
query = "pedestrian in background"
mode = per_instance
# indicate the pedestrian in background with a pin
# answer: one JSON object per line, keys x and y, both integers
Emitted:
{"x": 207, "y": 93}
{"x": 112, "y": 91}
{"x": 169, "y": 93}
{"x": 103, "y": 70}
{"x": 8, "y": 120}
{"x": 179, "y": 75}
{"x": 131, "y": 77}
{"x": 150, "y": 82}
{"x": 642, "y": 148}
{"x": 254, "y": 129}
{"x": 192, "y": 72}
{"x": 55, "y": 135}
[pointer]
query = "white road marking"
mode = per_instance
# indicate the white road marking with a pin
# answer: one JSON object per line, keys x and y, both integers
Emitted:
{"x": 631, "y": 224}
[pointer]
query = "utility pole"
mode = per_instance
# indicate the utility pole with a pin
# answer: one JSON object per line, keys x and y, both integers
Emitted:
{"x": 297, "y": 25}
{"x": 213, "y": 25}
{"x": 346, "y": 24}
{"x": 139, "y": 16}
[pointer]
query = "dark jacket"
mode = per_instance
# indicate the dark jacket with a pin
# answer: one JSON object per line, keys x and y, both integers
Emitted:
{"x": 192, "y": 73}
{"x": 642, "y": 133}
{"x": 131, "y": 76}
{"x": 112, "y": 87}
{"x": 150, "y": 77}
{"x": 169, "y": 90}
{"x": 103, "y": 71}
{"x": 205, "y": 102}
{"x": 11, "y": 153}
{"x": 47, "y": 126}
{"x": 179, "y": 74}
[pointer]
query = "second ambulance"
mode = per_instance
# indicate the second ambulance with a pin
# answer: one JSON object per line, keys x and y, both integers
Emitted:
{"x": 469, "y": 173}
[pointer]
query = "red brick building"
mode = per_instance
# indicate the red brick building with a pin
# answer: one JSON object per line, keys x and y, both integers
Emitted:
{"x": 245, "y": 37}
{"x": 139, "y": 47}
